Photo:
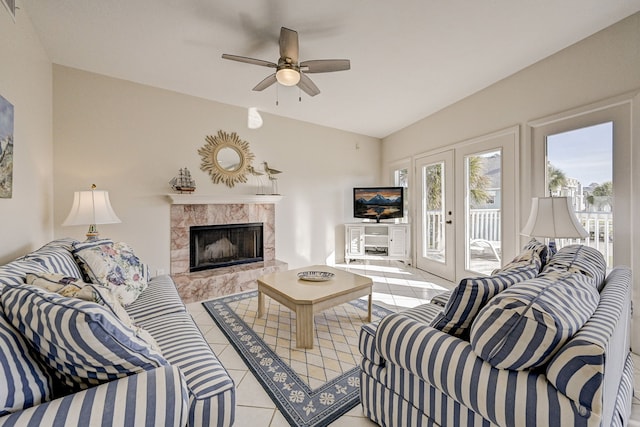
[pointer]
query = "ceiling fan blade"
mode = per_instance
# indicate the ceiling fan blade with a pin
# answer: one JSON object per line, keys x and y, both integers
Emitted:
{"x": 308, "y": 86}
{"x": 249, "y": 60}
{"x": 268, "y": 81}
{"x": 325, "y": 65}
{"x": 289, "y": 44}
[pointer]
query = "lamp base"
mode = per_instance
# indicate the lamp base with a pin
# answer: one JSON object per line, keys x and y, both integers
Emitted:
{"x": 93, "y": 233}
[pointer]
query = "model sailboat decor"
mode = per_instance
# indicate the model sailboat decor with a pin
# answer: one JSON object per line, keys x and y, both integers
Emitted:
{"x": 183, "y": 183}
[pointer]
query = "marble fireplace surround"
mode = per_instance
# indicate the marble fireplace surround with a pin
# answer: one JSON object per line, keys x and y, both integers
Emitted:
{"x": 190, "y": 210}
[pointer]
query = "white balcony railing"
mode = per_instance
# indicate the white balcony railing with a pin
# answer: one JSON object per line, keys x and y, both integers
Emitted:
{"x": 485, "y": 224}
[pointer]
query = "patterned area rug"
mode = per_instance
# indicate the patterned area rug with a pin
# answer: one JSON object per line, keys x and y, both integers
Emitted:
{"x": 311, "y": 387}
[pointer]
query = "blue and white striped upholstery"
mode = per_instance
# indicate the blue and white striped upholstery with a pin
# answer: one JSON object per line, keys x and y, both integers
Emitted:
{"x": 65, "y": 243}
{"x": 24, "y": 383}
{"x": 55, "y": 257}
{"x": 441, "y": 299}
{"x": 540, "y": 249}
{"x": 472, "y": 294}
{"x": 424, "y": 377}
{"x": 156, "y": 398}
{"x": 367, "y": 344}
{"x": 159, "y": 298}
{"x": 579, "y": 259}
{"x": 83, "y": 342}
{"x": 623, "y": 399}
{"x": 415, "y": 352}
{"x": 578, "y": 369}
{"x": 15, "y": 272}
{"x": 423, "y": 313}
{"x": 525, "y": 325}
{"x": 212, "y": 392}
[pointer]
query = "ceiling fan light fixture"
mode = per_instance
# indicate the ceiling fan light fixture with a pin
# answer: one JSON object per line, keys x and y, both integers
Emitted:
{"x": 288, "y": 76}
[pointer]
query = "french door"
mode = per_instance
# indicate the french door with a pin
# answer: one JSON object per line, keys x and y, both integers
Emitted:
{"x": 435, "y": 243}
{"x": 467, "y": 203}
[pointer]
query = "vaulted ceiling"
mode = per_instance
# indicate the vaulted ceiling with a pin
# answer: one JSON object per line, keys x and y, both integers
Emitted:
{"x": 409, "y": 58}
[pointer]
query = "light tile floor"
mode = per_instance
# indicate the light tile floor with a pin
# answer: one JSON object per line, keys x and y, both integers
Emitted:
{"x": 395, "y": 286}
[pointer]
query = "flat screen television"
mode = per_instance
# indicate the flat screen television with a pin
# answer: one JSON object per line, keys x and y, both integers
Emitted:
{"x": 378, "y": 202}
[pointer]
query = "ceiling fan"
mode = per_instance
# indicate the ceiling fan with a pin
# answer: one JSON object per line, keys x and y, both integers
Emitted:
{"x": 288, "y": 71}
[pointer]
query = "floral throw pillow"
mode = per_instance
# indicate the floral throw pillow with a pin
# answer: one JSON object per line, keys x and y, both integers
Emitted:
{"x": 113, "y": 265}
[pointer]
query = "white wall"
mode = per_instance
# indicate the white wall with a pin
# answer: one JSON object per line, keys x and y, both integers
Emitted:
{"x": 600, "y": 67}
{"x": 131, "y": 139}
{"x": 25, "y": 81}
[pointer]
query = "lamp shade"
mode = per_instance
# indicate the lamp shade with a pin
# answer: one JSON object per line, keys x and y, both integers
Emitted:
{"x": 91, "y": 207}
{"x": 553, "y": 217}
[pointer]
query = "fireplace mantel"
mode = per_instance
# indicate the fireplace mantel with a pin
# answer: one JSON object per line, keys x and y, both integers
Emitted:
{"x": 227, "y": 199}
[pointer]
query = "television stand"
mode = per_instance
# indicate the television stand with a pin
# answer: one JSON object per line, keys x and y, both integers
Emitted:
{"x": 377, "y": 241}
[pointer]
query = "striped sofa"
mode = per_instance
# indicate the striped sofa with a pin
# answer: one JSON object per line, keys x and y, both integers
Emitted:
{"x": 175, "y": 380}
{"x": 548, "y": 350}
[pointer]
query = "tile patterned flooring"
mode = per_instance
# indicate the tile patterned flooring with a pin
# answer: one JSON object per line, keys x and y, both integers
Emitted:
{"x": 396, "y": 286}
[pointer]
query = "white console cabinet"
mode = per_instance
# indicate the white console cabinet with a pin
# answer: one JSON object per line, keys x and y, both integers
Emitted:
{"x": 377, "y": 241}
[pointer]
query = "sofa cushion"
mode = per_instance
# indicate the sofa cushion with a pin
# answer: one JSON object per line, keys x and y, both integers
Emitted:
{"x": 533, "y": 252}
{"x": 579, "y": 259}
{"x": 24, "y": 383}
{"x": 540, "y": 249}
{"x": 15, "y": 272}
{"x": 211, "y": 388}
{"x": 84, "y": 342}
{"x": 593, "y": 360}
{"x": 113, "y": 265}
{"x": 56, "y": 257}
{"x": 524, "y": 326}
{"x": 442, "y": 299}
{"x": 75, "y": 288}
{"x": 472, "y": 294}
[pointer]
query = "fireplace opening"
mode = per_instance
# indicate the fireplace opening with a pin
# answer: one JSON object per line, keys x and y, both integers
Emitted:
{"x": 215, "y": 246}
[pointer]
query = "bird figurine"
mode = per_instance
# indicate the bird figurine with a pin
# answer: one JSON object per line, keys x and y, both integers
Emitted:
{"x": 253, "y": 172}
{"x": 270, "y": 172}
{"x": 258, "y": 176}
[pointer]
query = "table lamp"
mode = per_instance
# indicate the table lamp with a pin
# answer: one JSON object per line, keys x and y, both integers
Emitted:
{"x": 91, "y": 207}
{"x": 553, "y": 217}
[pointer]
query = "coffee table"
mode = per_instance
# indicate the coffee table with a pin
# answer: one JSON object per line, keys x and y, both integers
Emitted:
{"x": 306, "y": 298}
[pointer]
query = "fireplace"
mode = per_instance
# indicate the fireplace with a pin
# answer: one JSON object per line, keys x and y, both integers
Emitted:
{"x": 215, "y": 246}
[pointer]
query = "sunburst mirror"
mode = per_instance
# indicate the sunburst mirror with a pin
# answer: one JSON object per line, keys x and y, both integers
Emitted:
{"x": 226, "y": 157}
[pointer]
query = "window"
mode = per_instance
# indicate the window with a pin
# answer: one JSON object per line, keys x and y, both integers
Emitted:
{"x": 580, "y": 166}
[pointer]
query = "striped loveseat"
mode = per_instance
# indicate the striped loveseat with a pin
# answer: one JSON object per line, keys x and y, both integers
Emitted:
{"x": 508, "y": 350}
{"x": 70, "y": 362}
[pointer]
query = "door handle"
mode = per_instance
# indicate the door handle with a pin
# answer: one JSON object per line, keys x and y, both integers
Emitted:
{"x": 449, "y": 222}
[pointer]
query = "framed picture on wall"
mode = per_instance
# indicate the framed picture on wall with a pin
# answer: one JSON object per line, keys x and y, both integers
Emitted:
{"x": 11, "y": 7}
{"x": 6, "y": 149}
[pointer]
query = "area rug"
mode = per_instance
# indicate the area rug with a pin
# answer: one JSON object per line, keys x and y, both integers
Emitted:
{"x": 310, "y": 387}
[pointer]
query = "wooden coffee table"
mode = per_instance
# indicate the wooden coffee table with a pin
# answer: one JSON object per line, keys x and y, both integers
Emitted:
{"x": 306, "y": 298}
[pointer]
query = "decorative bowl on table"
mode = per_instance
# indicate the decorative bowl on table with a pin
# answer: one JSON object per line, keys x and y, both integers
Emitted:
{"x": 315, "y": 276}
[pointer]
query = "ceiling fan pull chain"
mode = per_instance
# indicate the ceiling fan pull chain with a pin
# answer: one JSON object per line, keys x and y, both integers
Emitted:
{"x": 299, "y": 94}
{"x": 277, "y": 96}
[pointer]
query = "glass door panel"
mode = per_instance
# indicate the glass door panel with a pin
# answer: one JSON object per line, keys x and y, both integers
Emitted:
{"x": 436, "y": 252}
{"x": 483, "y": 197}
